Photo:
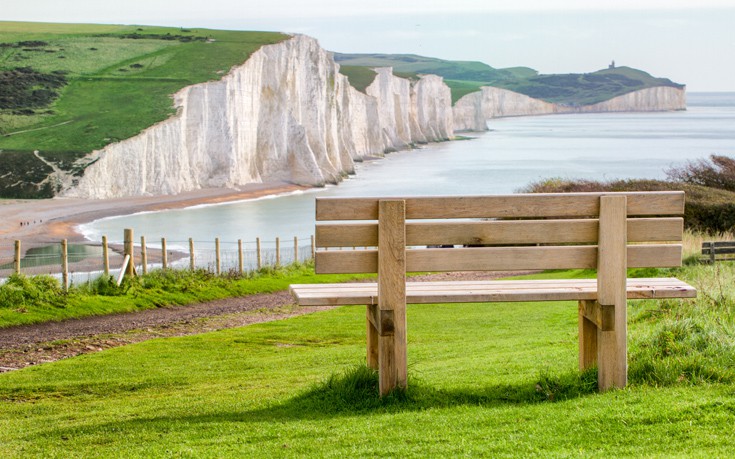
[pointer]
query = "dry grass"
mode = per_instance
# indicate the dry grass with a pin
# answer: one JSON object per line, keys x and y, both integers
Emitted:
{"x": 692, "y": 242}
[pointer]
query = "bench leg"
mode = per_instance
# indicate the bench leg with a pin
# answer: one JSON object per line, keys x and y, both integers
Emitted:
{"x": 372, "y": 337}
{"x": 587, "y": 338}
{"x": 612, "y": 353}
{"x": 392, "y": 344}
{"x": 612, "y": 263}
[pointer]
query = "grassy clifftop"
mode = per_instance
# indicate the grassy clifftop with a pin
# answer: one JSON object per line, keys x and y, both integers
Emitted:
{"x": 464, "y": 77}
{"x": 68, "y": 89}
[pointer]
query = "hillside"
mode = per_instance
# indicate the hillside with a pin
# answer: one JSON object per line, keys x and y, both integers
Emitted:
{"x": 576, "y": 89}
{"x": 68, "y": 89}
{"x": 464, "y": 77}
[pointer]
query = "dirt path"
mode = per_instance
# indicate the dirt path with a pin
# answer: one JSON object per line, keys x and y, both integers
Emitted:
{"x": 34, "y": 344}
{"x": 47, "y": 342}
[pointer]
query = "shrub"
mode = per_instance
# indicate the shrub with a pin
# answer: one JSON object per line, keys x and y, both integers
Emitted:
{"x": 20, "y": 291}
{"x": 707, "y": 209}
{"x": 716, "y": 172}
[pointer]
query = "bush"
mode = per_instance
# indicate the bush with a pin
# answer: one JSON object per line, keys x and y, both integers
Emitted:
{"x": 21, "y": 291}
{"x": 707, "y": 209}
{"x": 716, "y": 172}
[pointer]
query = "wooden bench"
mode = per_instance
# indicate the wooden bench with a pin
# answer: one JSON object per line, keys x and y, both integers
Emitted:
{"x": 718, "y": 251}
{"x": 608, "y": 232}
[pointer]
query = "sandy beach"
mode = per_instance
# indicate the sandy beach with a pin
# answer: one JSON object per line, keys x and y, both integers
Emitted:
{"x": 51, "y": 220}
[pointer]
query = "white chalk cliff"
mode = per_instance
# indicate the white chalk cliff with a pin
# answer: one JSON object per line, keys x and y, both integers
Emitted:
{"x": 287, "y": 114}
{"x": 472, "y": 111}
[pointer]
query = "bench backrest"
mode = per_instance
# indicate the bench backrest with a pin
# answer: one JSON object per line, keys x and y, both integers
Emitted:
{"x": 498, "y": 233}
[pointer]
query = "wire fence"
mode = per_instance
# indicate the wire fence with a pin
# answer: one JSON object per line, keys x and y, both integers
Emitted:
{"x": 85, "y": 262}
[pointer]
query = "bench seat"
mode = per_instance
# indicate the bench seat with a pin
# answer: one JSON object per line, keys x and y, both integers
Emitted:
{"x": 364, "y": 293}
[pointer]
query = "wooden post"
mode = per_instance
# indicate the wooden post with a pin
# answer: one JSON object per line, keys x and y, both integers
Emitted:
{"x": 64, "y": 265}
{"x": 313, "y": 247}
{"x": 16, "y": 258}
{"x": 611, "y": 287}
{"x": 392, "y": 294}
{"x": 712, "y": 253}
{"x": 240, "y": 261}
{"x": 143, "y": 255}
{"x": 192, "y": 265}
{"x": 587, "y": 337}
{"x": 164, "y": 254}
{"x": 259, "y": 254}
{"x": 217, "y": 267}
{"x": 278, "y": 251}
{"x": 126, "y": 262}
{"x": 373, "y": 337}
{"x": 128, "y": 250}
{"x": 105, "y": 256}
{"x": 295, "y": 249}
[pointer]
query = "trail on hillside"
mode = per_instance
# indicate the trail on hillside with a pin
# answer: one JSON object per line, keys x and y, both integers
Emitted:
{"x": 28, "y": 345}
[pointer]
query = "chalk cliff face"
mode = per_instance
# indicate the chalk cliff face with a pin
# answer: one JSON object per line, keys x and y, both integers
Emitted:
{"x": 658, "y": 99}
{"x": 472, "y": 111}
{"x": 286, "y": 114}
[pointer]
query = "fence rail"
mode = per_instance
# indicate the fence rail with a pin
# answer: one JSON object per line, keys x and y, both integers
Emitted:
{"x": 79, "y": 263}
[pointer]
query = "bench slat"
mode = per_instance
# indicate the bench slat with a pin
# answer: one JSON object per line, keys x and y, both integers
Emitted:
{"x": 488, "y": 291}
{"x": 718, "y": 244}
{"x": 718, "y": 250}
{"x": 499, "y": 232}
{"x": 508, "y": 206}
{"x": 496, "y": 258}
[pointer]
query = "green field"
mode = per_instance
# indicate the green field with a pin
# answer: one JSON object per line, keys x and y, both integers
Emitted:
{"x": 464, "y": 77}
{"x": 31, "y": 300}
{"x": 119, "y": 81}
{"x": 488, "y": 380}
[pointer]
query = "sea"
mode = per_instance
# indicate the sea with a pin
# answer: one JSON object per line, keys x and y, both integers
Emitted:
{"x": 512, "y": 154}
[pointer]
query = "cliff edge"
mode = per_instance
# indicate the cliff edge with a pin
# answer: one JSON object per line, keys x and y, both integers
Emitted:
{"x": 286, "y": 114}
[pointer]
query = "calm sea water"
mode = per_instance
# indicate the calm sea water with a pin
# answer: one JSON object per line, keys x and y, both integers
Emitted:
{"x": 514, "y": 153}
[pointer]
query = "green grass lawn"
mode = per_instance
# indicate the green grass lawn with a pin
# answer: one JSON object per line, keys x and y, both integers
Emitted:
{"x": 496, "y": 380}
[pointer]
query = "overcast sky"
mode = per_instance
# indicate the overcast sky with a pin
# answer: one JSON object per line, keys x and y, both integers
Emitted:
{"x": 689, "y": 41}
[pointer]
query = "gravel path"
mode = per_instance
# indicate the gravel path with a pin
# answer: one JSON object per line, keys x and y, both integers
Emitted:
{"x": 34, "y": 344}
{"x": 47, "y": 342}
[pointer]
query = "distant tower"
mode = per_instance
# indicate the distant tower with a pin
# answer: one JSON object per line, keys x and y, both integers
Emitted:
{"x": 612, "y": 65}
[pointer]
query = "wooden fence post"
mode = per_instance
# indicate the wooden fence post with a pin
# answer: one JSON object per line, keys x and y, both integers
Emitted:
{"x": 258, "y": 253}
{"x": 128, "y": 250}
{"x": 16, "y": 259}
{"x": 143, "y": 255}
{"x": 295, "y": 249}
{"x": 217, "y": 261}
{"x": 164, "y": 255}
{"x": 240, "y": 262}
{"x": 192, "y": 265}
{"x": 105, "y": 256}
{"x": 278, "y": 251}
{"x": 64, "y": 265}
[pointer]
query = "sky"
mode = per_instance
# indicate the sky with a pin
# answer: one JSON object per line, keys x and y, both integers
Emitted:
{"x": 689, "y": 41}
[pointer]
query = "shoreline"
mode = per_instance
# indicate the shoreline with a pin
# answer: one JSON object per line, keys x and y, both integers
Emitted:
{"x": 46, "y": 221}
